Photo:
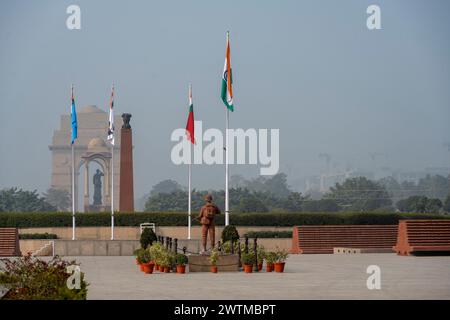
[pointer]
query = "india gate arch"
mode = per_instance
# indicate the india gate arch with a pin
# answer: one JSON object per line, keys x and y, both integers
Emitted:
{"x": 89, "y": 148}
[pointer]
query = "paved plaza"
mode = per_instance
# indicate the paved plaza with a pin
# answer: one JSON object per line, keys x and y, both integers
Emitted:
{"x": 325, "y": 276}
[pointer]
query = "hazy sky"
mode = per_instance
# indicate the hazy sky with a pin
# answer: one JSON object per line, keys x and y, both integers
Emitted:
{"x": 310, "y": 68}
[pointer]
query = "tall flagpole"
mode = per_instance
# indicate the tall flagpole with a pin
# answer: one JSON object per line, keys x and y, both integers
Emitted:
{"x": 189, "y": 199}
{"x": 112, "y": 192}
{"x": 73, "y": 178}
{"x": 227, "y": 123}
{"x": 189, "y": 177}
{"x": 227, "y": 196}
{"x": 73, "y": 195}
{"x": 111, "y": 127}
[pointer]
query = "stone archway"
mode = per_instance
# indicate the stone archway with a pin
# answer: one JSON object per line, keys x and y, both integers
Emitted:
{"x": 97, "y": 152}
{"x": 90, "y": 146}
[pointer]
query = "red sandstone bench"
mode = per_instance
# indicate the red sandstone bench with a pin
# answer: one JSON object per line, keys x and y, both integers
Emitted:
{"x": 416, "y": 236}
{"x": 9, "y": 242}
{"x": 323, "y": 239}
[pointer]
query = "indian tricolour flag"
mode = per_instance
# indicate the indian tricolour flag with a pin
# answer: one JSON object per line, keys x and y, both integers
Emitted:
{"x": 227, "y": 90}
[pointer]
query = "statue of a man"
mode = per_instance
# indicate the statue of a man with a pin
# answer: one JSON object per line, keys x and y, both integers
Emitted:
{"x": 98, "y": 187}
{"x": 206, "y": 217}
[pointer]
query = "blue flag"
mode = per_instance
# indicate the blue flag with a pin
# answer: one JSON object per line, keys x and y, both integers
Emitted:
{"x": 74, "y": 120}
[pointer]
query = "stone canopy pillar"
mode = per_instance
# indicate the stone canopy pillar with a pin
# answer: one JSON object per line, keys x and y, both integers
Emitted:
{"x": 126, "y": 198}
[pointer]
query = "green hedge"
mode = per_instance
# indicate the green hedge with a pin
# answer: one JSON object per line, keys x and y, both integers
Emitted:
{"x": 38, "y": 236}
{"x": 58, "y": 219}
{"x": 269, "y": 234}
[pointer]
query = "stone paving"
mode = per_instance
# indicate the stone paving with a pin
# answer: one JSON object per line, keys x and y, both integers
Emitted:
{"x": 306, "y": 277}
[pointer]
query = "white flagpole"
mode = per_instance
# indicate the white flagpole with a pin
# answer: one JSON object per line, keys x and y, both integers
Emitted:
{"x": 112, "y": 192}
{"x": 73, "y": 179}
{"x": 73, "y": 195}
{"x": 189, "y": 200}
{"x": 189, "y": 176}
{"x": 227, "y": 196}
{"x": 111, "y": 124}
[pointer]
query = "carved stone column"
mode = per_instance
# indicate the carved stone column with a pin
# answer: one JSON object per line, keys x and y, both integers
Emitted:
{"x": 126, "y": 197}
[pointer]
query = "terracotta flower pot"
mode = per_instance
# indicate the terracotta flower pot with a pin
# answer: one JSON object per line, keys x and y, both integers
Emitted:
{"x": 181, "y": 268}
{"x": 248, "y": 268}
{"x": 279, "y": 266}
{"x": 156, "y": 267}
{"x": 166, "y": 269}
{"x": 214, "y": 269}
{"x": 148, "y": 267}
{"x": 260, "y": 266}
{"x": 142, "y": 267}
{"x": 269, "y": 267}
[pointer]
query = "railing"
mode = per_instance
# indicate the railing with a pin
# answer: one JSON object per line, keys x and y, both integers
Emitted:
{"x": 52, "y": 243}
{"x": 172, "y": 245}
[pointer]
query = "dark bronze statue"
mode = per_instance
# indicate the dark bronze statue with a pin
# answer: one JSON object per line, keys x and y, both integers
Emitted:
{"x": 126, "y": 120}
{"x": 98, "y": 187}
{"x": 206, "y": 217}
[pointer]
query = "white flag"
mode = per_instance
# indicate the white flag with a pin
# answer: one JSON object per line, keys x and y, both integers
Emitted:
{"x": 111, "y": 118}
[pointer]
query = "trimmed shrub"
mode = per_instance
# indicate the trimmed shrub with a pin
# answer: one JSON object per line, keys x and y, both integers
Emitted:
{"x": 230, "y": 233}
{"x": 147, "y": 237}
{"x": 59, "y": 219}
{"x": 38, "y": 236}
{"x": 269, "y": 234}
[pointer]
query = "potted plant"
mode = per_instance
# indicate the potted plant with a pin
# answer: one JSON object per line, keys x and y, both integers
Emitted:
{"x": 213, "y": 258}
{"x": 181, "y": 260}
{"x": 164, "y": 261}
{"x": 281, "y": 256}
{"x": 248, "y": 260}
{"x": 271, "y": 257}
{"x": 156, "y": 250}
{"x": 147, "y": 262}
{"x": 261, "y": 251}
{"x": 139, "y": 258}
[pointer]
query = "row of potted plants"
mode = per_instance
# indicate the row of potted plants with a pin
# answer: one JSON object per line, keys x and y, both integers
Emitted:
{"x": 275, "y": 260}
{"x": 157, "y": 258}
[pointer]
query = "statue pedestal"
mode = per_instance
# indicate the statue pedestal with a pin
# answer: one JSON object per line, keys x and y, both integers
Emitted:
{"x": 225, "y": 263}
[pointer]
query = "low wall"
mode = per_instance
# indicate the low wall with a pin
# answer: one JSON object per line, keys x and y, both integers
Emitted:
{"x": 95, "y": 240}
{"x": 133, "y": 233}
{"x": 109, "y": 247}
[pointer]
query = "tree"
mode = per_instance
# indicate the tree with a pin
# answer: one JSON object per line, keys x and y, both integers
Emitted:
{"x": 420, "y": 204}
{"x": 166, "y": 186}
{"x": 294, "y": 202}
{"x": 322, "y": 205}
{"x": 58, "y": 198}
{"x": 446, "y": 205}
{"x": 435, "y": 186}
{"x": 251, "y": 203}
{"x": 359, "y": 194}
{"x": 18, "y": 200}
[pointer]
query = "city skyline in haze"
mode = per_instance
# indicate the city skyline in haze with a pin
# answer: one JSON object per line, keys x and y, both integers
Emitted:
{"x": 342, "y": 96}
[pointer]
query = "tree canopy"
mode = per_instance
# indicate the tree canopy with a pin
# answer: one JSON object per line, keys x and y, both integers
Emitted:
{"x": 18, "y": 200}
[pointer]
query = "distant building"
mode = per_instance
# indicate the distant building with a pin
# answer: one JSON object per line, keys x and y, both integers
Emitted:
{"x": 91, "y": 146}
